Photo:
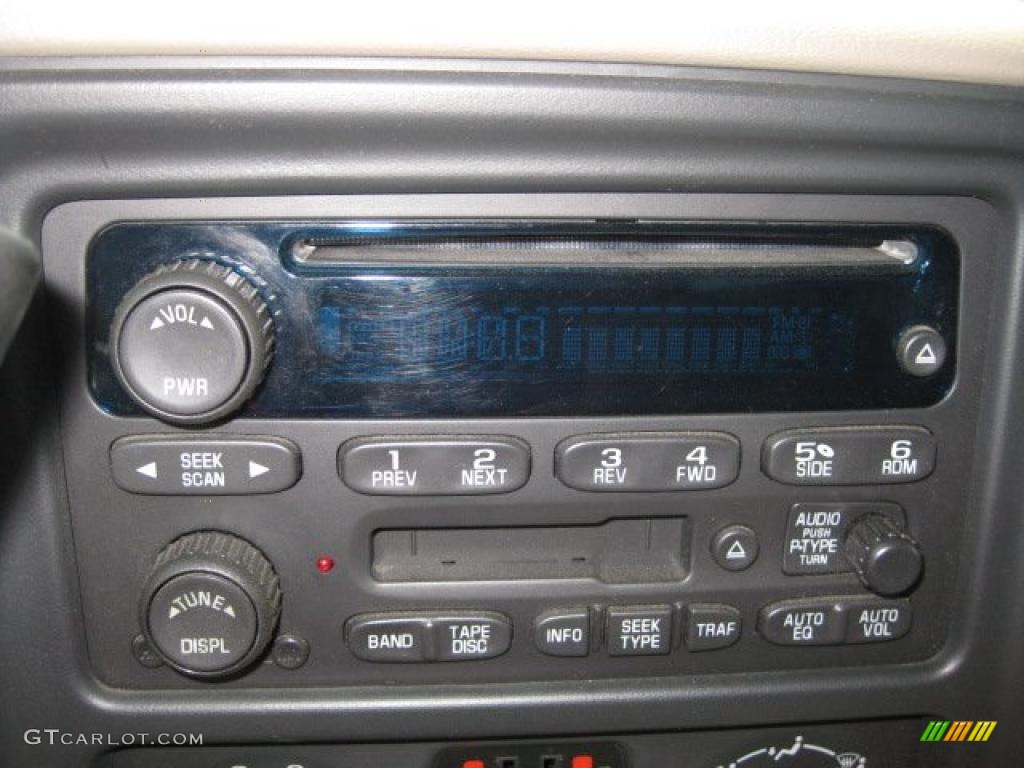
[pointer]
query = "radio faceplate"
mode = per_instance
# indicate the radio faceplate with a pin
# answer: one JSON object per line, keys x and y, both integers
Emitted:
{"x": 399, "y": 318}
{"x": 118, "y": 532}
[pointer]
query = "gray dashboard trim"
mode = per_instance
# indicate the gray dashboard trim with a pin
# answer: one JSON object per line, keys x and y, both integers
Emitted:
{"x": 110, "y": 130}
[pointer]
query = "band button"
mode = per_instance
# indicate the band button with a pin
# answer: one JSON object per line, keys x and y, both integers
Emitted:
{"x": 388, "y": 638}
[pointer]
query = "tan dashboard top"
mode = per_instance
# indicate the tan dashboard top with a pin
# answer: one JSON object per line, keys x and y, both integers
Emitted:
{"x": 979, "y": 41}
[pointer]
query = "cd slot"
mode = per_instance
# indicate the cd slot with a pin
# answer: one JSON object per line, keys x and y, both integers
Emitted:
{"x": 617, "y": 552}
{"x": 595, "y": 244}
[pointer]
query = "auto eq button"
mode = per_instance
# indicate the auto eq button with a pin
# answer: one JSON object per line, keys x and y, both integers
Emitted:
{"x": 849, "y": 456}
{"x": 169, "y": 465}
{"x": 804, "y": 622}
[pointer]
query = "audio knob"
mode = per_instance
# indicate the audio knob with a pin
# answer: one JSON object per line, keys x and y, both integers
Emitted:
{"x": 885, "y": 558}
{"x": 210, "y": 605}
{"x": 191, "y": 342}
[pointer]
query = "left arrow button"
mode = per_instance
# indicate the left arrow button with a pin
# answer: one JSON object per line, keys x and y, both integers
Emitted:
{"x": 149, "y": 470}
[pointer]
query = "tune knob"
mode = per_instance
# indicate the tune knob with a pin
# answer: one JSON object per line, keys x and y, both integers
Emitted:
{"x": 885, "y": 558}
{"x": 191, "y": 341}
{"x": 210, "y": 605}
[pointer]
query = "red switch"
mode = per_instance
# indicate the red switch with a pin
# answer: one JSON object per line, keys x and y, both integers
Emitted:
{"x": 582, "y": 761}
{"x": 473, "y": 764}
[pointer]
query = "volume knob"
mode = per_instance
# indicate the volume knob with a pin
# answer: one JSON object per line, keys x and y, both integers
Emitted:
{"x": 210, "y": 605}
{"x": 191, "y": 342}
{"x": 885, "y": 558}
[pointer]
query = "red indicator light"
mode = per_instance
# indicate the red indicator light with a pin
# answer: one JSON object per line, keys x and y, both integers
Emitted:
{"x": 582, "y": 761}
{"x": 325, "y": 564}
{"x": 473, "y": 764}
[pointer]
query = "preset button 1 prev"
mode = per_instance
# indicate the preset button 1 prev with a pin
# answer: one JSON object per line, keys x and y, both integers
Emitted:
{"x": 168, "y": 465}
{"x": 434, "y": 466}
{"x": 654, "y": 461}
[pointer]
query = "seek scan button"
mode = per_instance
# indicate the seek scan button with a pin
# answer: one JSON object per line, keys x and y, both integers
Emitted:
{"x": 172, "y": 465}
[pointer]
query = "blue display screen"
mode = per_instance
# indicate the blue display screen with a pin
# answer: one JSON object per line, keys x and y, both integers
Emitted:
{"x": 510, "y": 342}
{"x": 407, "y": 340}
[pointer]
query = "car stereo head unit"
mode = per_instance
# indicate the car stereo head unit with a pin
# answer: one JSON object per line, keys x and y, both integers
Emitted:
{"x": 475, "y": 318}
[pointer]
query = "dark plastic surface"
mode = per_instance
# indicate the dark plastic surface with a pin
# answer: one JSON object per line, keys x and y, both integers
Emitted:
{"x": 19, "y": 276}
{"x": 194, "y": 128}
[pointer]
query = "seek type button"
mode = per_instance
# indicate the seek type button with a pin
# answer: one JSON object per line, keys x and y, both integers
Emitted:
{"x": 850, "y": 456}
{"x": 641, "y": 631}
{"x": 655, "y": 461}
{"x": 466, "y": 638}
{"x": 205, "y": 466}
{"x": 434, "y": 466}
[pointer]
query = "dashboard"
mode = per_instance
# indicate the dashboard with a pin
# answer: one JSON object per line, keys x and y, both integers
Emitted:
{"x": 507, "y": 414}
